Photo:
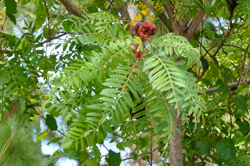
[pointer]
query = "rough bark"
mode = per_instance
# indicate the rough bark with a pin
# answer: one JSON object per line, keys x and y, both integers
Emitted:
{"x": 194, "y": 26}
{"x": 187, "y": 29}
{"x": 176, "y": 152}
{"x": 174, "y": 21}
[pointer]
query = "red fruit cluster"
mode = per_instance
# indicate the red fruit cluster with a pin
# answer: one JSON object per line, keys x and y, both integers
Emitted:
{"x": 138, "y": 54}
{"x": 147, "y": 29}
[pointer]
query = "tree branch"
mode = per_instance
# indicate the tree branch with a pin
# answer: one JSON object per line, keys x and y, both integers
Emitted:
{"x": 236, "y": 47}
{"x": 185, "y": 23}
{"x": 227, "y": 35}
{"x": 71, "y": 8}
{"x": 44, "y": 119}
{"x": 194, "y": 25}
{"x": 49, "y": 40}
{"x": 231, "y": 85}
{"x": 244, "y": 59}
{"x": 57, "y": 159}
{"x": 4, "y": 52}
{"x": 46, "y": 41}
{"x": 175, "y": 23}
{"x": 162, "y": 17}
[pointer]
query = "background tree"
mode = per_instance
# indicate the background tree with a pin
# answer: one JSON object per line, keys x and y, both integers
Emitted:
{"x": 109, "y": 80}
{"x": 22, "y": 149}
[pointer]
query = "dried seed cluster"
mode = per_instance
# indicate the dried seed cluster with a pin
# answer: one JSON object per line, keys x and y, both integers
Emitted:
{"x": 147, "y": 29}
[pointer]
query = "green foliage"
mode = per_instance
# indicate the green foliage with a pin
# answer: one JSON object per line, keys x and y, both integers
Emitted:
{"x": 91, "y": 77}
{"x": 114, "y": 159}
{"x": 119, "y": 88}
{"x": 51, "y": 122}
{"x": 204, "y": 147}
{"x": 225, "y": 150}
{"x": 11, "y": 9}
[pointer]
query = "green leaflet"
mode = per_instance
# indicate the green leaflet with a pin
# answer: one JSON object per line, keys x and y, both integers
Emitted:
{"x": 11, "y": 9}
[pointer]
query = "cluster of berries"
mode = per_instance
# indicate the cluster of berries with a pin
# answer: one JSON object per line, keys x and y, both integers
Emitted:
{"x": 138, "y": 54}
{"x": 147, "y": 29}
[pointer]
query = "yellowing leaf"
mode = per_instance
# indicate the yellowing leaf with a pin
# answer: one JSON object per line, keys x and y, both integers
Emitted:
{"x": 139, "y": 16}
{"x": 133, "y": 21}
{"x": 136, "y": 18}
{"x": 144, "y": 12}
{"x": 142, "y": 5}
{"x": 151, "y": 17}
{"x": 31, "y": 100}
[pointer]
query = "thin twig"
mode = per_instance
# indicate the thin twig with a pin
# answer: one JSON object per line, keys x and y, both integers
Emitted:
{"x": 225, "y": 81}
{"x": 50, "y": 39}
{"x": 57, "y": 159}
{"x": 243, "y": 65}
{"x": 46, "y": 41}
{"x": 105, "y": 147}
{"x": 44, "y": 121}
{"x": 237, "y": 47}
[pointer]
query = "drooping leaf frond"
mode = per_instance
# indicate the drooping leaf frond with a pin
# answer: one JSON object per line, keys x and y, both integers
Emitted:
{"x": 115, "y": 91}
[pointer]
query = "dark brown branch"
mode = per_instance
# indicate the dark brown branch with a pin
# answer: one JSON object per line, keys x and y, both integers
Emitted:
{"x": 54, "y": 93}
{"x": 225, "y": 81}
{"x": 162, "y": 17}
{"x": 46, "y": 10}
{"x": 110, "y": 4}
{"x": 71, "y": 8}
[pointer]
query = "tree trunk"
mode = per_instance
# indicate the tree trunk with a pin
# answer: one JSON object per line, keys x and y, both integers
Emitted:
{"x": 176, "y": 152}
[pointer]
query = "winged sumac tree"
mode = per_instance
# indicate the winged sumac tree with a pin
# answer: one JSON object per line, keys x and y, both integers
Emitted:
{"x": 147, "y": 86}
{"x": 125, "y": 86}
